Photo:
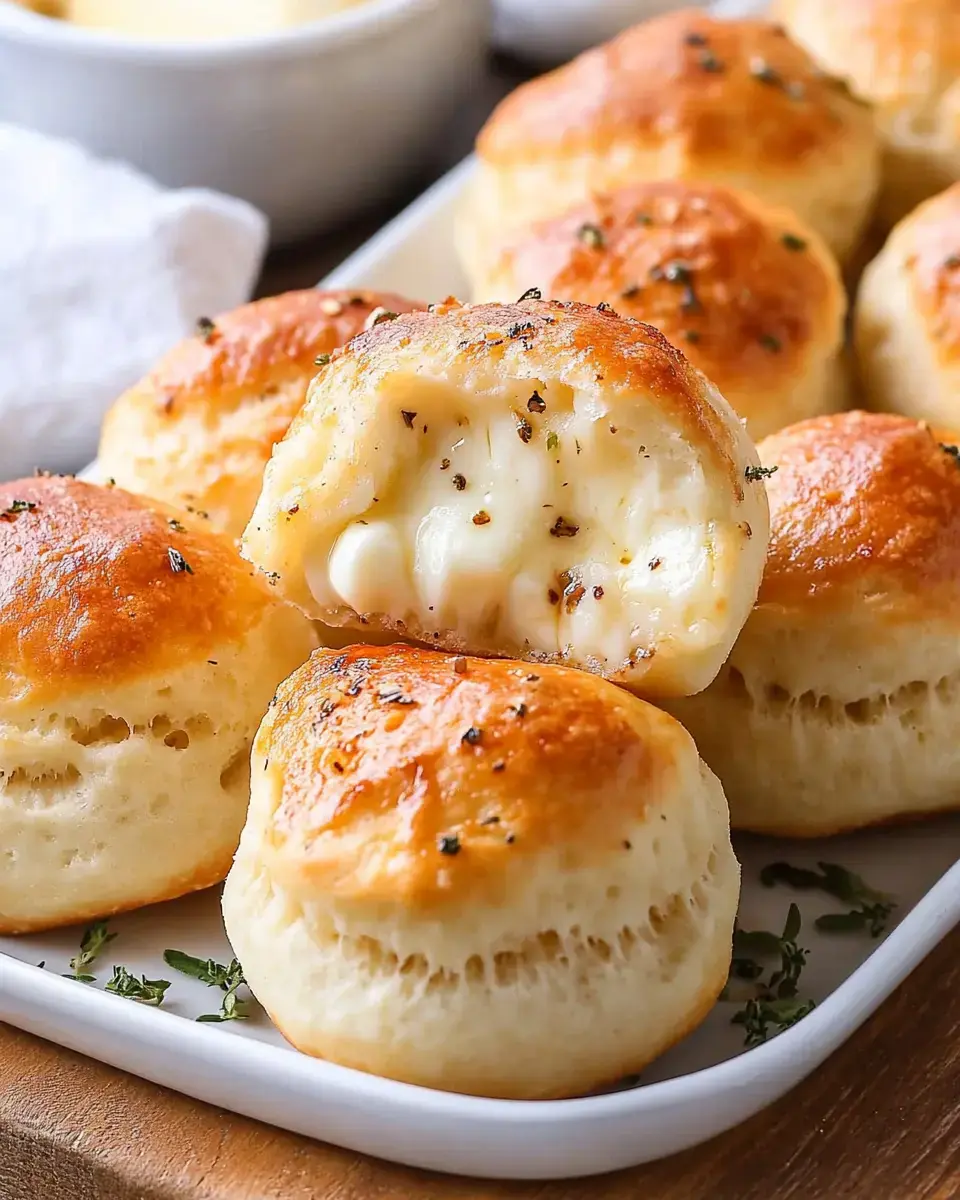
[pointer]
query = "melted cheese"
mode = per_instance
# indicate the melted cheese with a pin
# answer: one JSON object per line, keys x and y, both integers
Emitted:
{"x": 570, "y": 530}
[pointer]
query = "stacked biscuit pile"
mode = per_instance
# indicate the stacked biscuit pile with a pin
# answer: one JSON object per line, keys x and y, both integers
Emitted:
{"x": 538, "y": 545}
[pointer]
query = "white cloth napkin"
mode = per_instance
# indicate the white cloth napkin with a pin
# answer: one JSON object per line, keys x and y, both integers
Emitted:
{"x": 101, "y": 272}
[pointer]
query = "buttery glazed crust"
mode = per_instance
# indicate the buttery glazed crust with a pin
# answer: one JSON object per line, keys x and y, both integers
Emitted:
{"x": 470, "y": 875}
{"x": 861, "y": 503}
{"x": 907, "y": 321}
{"x": 904, "y": 57}
{"x": 198, "y": 430}
{"x": 435, "y": 420}
{"x": 88, "y": 595}
{"x": 620, "y": 353}
{"x": 928, "y": 250}
{"x": 752, "y": 296}
{"x": 379, "y": 753}
{"x": 685, "y": 76}
{"x": 682, "y": 96}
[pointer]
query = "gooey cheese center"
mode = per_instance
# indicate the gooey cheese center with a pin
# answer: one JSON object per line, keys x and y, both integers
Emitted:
{"x": 570, "y": 528}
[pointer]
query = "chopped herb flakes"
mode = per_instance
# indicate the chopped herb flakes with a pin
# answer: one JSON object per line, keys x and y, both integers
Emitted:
{"x": 459, "y": 482}
{"x": 953, "y": 451}
{"x": 175, "y": 525}
{"x": 598, "y": 593}
{"x": 755, "y": 474}
{"x": 591, "y": 235}
{"x": 533, "y": 293}
{"x": 692, "y": 336}
{"x": 761, "y": 70}
{"x": 321, "y": 360}
{"x": 146, "y": 991}
{"x": 206, "y": 329}
{"x": 178, "y": 564}
{"x": 771, "y": 343}
{"x": 524, "y": 428}
{"x": 481, "y": 518}
{"x": 473, "y": 736}
{"x": 15, "y": 507}
{"x": 536, "y": 403}
{"x": 444, "y": 464}
{"x": 394, "y": 696}
{"x": 564, "y": 528}
{"x": 213, "y": 974}
{"x": 774, "y": 1004}
{"x": 408, "y": 417}
{"x": 449, "y": 843}
{"x": 552, "y": 441}
{"x": 870, "y": 909}
{"x": 378, "y": 316}
{"x": 91, "y": 943}
{"x": 792, "y": 242}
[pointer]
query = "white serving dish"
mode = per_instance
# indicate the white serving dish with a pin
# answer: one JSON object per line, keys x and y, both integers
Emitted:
{"x": 700, "y": 1088}
{"x": 308, "y": 124}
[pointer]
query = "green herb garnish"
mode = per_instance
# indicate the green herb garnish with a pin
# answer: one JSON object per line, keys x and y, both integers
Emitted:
{"x": 91, "y": 943}
{"x": 953, "y": 451}
{"x": 552, "y": 441}
{"x": 755, "y": 474}
{"x": 146, "y": 991}
{"x": 228, "y": 978}
{"x": 774, "y": 1001}
{"x": 869, "y": 909}
{"x": 178, "y": 564}
{"x": 449, "y": 844}
{"x": 792, "y": 242}
{"x": 591, "y": 235}
{"x": 533, "y": 293}
{"x": 321, "y": 360}
{"x": 15, "y": 507}
{"x": 206, "y": 329}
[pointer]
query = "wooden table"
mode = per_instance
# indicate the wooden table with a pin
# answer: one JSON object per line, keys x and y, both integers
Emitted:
{"x": 880, "y": 1121}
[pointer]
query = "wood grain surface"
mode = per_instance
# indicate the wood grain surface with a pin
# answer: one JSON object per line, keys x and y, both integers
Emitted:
{"x": 880, "y": 1121}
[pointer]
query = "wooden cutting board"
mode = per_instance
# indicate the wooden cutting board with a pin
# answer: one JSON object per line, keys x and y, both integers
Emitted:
{"x": 879, "y": 1121}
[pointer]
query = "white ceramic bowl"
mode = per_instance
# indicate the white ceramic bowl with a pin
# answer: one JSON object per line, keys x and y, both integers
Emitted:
{"x": 308, "y": 123}
{"x": 549, "y": 31}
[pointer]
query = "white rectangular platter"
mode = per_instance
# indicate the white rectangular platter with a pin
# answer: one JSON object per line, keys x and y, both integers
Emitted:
{"x": 702, "y": 1087}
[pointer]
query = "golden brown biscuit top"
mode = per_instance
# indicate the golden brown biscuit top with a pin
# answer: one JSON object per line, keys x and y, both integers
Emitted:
{"x": 741, "y": 287}
{"x": 929, "y": 240}
{"x": 258, "y": 348}
{"x": 575, "y": 343}
{"x": 726, "y": 90}
{"x": 868, "y": 502}
{"x": 409, "y": 774}
{"x": 99, "y": 587}
{"x": 892, "y": 50}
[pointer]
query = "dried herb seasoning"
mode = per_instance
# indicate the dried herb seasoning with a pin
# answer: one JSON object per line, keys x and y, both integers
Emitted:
{"x": 564, "y": 528}
{"x": 536, "y": 403}
{"x": 178, "y": 564}
{"x": 755, "y": 474}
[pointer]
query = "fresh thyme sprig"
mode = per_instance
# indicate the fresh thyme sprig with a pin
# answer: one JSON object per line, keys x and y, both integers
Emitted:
{"x": 93, "y": 941}
{"x": 771, "y": 1005}
{"x": 228, "y": 978}
{"x": 869, "y": 909}
{"x": 146, "y": 991}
